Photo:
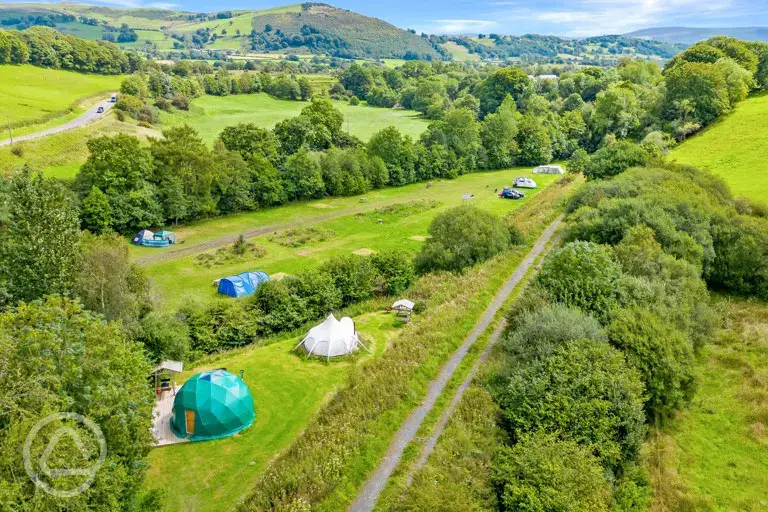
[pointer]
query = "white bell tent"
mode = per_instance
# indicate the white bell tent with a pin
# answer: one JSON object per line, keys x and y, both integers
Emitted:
{"x": 332, "y": 338}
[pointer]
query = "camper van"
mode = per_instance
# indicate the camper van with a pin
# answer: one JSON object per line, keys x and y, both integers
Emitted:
{"x": 114, "y": 98}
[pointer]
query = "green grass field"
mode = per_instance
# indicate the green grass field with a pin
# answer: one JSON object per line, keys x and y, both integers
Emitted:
{"x": 459, "y": 52}
{"x": 734, "y": 148}
{"x": 31, "y": 95}
{"x": 287, "y": 389}
{"x": 713, "y": 455}
{"x": 210, "y": 114}
{"x": 175, "y": 280}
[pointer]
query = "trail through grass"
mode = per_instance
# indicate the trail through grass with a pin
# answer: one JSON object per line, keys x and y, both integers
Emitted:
{"x": 734, "y": 148}
{"x": 210, "y": 114}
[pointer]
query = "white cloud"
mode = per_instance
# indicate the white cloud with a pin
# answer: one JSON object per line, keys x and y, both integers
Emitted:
{"x": 458, "y": 26}
{"x": 162, "y": 5}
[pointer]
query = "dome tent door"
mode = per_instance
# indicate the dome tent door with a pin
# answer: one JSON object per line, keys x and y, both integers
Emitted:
{"x": 190, "y": 420}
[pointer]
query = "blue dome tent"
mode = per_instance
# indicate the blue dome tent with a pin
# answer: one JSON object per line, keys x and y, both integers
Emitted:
{"x": 242, "y": 284}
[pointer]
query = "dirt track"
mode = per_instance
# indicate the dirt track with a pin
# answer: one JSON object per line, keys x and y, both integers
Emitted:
{"x": 366, "y": 499}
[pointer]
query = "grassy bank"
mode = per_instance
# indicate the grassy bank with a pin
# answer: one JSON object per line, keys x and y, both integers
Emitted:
{"x": 60, "y": 155}
{"x": 734, "y": 148}
{"x": 713, "y": 455}
{"x": 31, "y": 95}
{"x": 210, "y": 114}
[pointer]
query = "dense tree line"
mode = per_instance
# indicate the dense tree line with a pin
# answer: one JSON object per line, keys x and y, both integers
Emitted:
{"x": 44, "y": 46}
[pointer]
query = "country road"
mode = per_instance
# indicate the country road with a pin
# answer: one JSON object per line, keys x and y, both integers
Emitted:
{"x": 377, "y": 481}
{"x": 87, "y": 117}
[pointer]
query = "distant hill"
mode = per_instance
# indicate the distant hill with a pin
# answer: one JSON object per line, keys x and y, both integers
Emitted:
{"x": 304, "y": 28}
{"x": 594, "y": 51}
{"x": 690, "y": 35}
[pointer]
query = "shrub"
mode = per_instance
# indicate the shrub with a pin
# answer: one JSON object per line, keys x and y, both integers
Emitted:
{"x": 538, "y": 333}
{"x": 543, "y": 473}
{"x": 280, "y": 309}
{"x": 461, "y": 237}
{"x": 615, "y": 159}
{"x": 395, "y": 272}
{"x": 741, "y": 261}
{"x": 354, "y": 101}
{"x": 579, "y": 161}
{"x": 180, "y": 101}
{"x": 353, "y": 276}
{"x": 165, "y": 337}
{"x": 582, "y": 275}
{"x": 17, "y": 150}
{"x": 661, "y": 353}
{"x": 586, "y": 392}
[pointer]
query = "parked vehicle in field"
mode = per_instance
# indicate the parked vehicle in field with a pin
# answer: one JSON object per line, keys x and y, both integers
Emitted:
{"x": 100, "y": 110}
{"x": 511, "y": 193}
{"x": 523, "y": 182}
{"x": 113, "y": 99}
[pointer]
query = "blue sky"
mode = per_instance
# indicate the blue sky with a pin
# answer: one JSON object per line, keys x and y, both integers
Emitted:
{"x": 558, "y": 17}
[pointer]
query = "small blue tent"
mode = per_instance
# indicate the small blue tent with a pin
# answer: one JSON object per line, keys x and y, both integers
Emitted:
{"x": 242, "y": 284}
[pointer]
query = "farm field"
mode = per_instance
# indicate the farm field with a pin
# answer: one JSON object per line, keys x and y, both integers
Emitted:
{"x": 405, "y": 213}
{"x": 734, "y": 148}
{"x": 459, "y": 52}
{"x": 712, "y": 457}
{"x": 33, "y": 95}
{"x": 287, "y": 389}
{"x": 210, "y": 114}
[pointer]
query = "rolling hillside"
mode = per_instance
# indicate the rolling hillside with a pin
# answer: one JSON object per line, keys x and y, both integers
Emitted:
{"x": 308, "y": 27}
{"x": 734, "y": 148}
{"x": 690, "y": 35}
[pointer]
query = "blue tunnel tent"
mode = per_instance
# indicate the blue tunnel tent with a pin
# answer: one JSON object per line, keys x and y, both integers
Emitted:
{"x": 242, "y": 284}
{"x": 142, "y": 236}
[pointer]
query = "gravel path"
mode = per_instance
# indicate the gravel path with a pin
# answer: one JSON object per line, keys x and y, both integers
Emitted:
{"x": 366, "y": 499}
{"x": 87, "y": 117}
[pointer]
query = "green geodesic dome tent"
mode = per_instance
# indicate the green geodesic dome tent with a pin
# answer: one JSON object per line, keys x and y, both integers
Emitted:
{"x": 212, "y": 405}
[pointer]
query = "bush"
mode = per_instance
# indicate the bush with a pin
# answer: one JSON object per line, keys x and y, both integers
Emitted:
{"x": 354, "y": 101}
{"x": 542, "y": 473}
{"x": 585, "y": 392}
{"x": 180, "y": 101}
{"x": 661, "y": 353}
{"x": 615, "y": 159}
{"x": 17, "y": 150}
{"x": 461, "y": 237}
{"x": 395, "y": 272}
{"x": 165, "y": 337}
{"x": 582, "y": 275}
{"x": 353, "y": 276}
{"x": 578, "y": 162}
{"x": 537, "y": 334}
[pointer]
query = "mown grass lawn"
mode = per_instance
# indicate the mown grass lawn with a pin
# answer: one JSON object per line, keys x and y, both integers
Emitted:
{"x": 177, "y": 280}
{"x": 734, "y": 148}
{"x": 210, "y": 114}
{"x": 287, "y": 390}
{"x": 30, "y": 93}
